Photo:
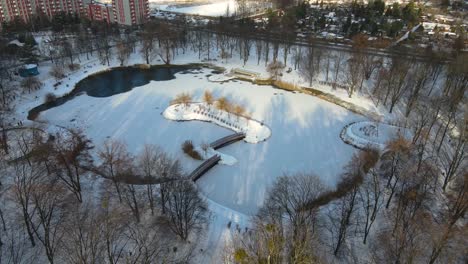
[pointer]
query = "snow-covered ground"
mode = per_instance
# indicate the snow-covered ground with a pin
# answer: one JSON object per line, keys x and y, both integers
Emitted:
{"x": 209, "y": 152}
{"x": 214, "y": 8}
{"x": 306, "y": 133}
{"x": 367, "y": 133}
{"x": 254, "y": 131}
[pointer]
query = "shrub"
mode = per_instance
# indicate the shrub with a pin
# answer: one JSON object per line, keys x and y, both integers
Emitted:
{"x": 223, "y": 104}
{"x": 32, "y": 115}
{"x": 208, "y": 97}
{"x": 183, "y": 98}
{"x": 74, "y": 66}
{"x": 188, "y": 149}
{"x": 57, "y": 72}
{"x": 240, "y": 255}
{"x": 275, "y": 69}
{"x": 31, "y": 83}
{"x": 239, "y": 110}
{"x": 49, "y": 98}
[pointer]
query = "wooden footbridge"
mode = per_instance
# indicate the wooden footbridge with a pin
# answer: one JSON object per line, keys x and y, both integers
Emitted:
{"x": 194, "y": 176}
{"x": 204, "y": 167}
{"x": 227, "y": 140}
{"x": 211, "y": 162}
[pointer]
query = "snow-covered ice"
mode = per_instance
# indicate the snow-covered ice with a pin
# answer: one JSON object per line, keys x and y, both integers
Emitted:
{"x": 304, "y": 138}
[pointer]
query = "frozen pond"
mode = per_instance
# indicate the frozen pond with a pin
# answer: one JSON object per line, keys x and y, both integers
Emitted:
{"x": 305, "y": 132}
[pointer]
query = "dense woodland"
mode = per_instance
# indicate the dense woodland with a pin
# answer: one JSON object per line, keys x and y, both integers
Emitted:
{"x": 64, "y": 200}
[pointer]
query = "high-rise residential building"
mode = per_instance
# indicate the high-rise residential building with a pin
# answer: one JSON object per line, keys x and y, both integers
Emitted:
{"x": 100, "y": 12}
{"x": 130, "y": 12}
{"x": 25, "y": 9}
{"x": 125, "y": 12}
{"x": 9, "y": 9}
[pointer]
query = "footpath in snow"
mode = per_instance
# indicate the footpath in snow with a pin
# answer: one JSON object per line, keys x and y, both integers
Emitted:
{"x": 254, "y": 131}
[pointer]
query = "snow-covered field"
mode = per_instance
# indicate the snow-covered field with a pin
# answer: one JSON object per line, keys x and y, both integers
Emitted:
{"x": 305, "y": 133}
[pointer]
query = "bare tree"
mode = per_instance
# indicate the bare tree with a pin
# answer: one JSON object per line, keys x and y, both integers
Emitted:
{"x": 401, "y": 246}
{"x": 48, "y": 222}
{"x": 148, "y": 246}
{"x": 371, "y": 195}
{"x": 368, "y": 62}
{"x": 57, "y": 72}
{"x": 413, "y": 194}
{"x": 66, "y": 49}
{"x": 70, "y": 157}
{"x": 31, "y": 83}
{"x": 103, "y": 43}
{"x": 167, "y": 167}
{"x": 275, "y": 69}
{"x": 208, "y": 98}
{"x": 282, "y": 209}
{"x": 123, "y": 52}
{"x": 26, "y": 177}
{"x": 148, "y": 164}
{"x": 337, "y": 67}
{"x": 167, "y": 42}
{"x": 342, "y": 215}
{"x": 417, "y": 84}
{"x": 116, "y": 162}
{"x": 83, "y": 240}
{"x": 247, "y": 45}
{"x": 453, "y": 157}
{"x": 183, "y": 98}
{"x": 114, "y": 225}
{"x": 354, "y": 75}
{"x": 133, "y": 197}
{"x": 307, "y": 67}
{"x": 223, "y": 104}
{"x": 15, "y": 249}
{"x": 186, "y": 209}
{"x": 258, "y": 49}
{"x": 394, "y": 160}
{"x": 7, "y": 93}
{"x": 395, "y": 81}
{"x": 446, "y": 235}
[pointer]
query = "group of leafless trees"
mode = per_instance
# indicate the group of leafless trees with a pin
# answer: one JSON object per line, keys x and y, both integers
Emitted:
{"x": 59, "y": 206}
{"x": 406, "y": 204}
{"x": 107, "y": 43}
{"x": 388, "y": 208}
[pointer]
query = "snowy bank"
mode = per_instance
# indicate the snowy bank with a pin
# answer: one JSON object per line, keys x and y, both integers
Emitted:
{"x": 254, "y": 130}
{"x": 220, "y": 78}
